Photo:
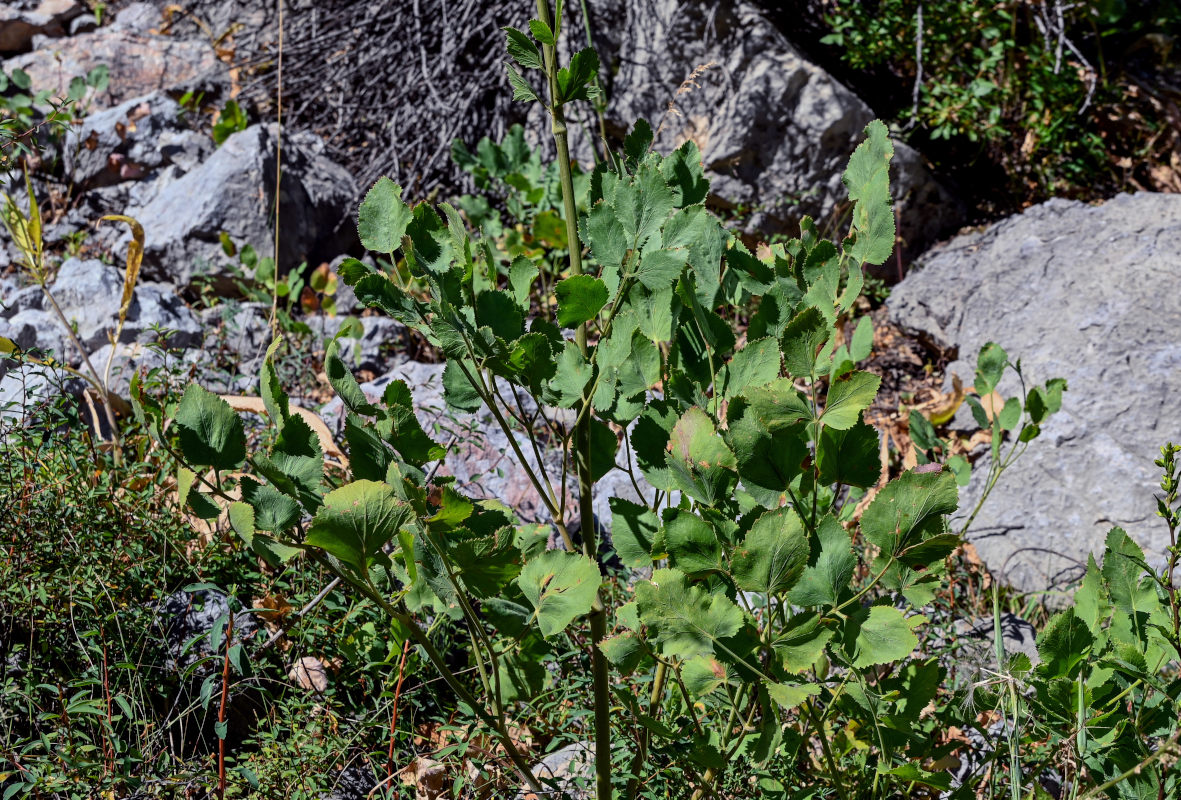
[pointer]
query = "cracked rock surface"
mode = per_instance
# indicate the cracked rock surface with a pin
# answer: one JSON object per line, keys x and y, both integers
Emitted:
{"x": 1087, "y": 293}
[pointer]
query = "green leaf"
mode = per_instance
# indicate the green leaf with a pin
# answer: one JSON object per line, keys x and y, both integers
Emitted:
{"x": 274, "y": 399}
{"x": 822, "y": 583}
{"x": 803, "y": 340}
{"x": 522, "y": 49}
{"x": 767, "y": 462}
{"x": 343, "y": 382}
{"x": 521, "y": 89}
{"x": 868, "y": 180}
{"x": 603, "y": 446}
{"x": 210, "y": 433}
{"x": 541, "y": 32}
{"x": 642, "y": 206}
{"x": 1010, "y": 415}
{"x": 685, "y": 620}
{"x": 848, "y": 397}
{"x": 879, "y": 635}
{"x": 649, "y": 440}
{"x": 660, "y": 269}
{"x": 689, "y": 542}
{"x": 909, "y": 508}
{"x": 772, "y": 556}
{"x": 499, "y": 311}
{"x": 602, "y": 231}
{"x": 356, "y": 521}
{"x": 383, "y": 217}
{"x": 851, "y": 457}
{"x": 1063, "y": 645}
{"x": 1131, "y": 591}
{"x": 756, "y": 364}
{"x": 705, "y": 674}
{"x": 1091, "y": 603}
{"x": 778, "y": 405}
{"x": 571, "y": 377}
{"x": 561, "y": 587}
{"x": 580, "y": 298}
{"x": 702, "y": 464}
{"x": 990, "y": 365}
{"x": 683, "y": 171}
{"x": 912, "y": 773}
{"x": 790, "y": 696}
{"x": 405, "y": 433}
{"x": 862, "y": 343}
{"x": 574, "y": 81}
{"x": 458, "y": 391}
{"x": 801, "y": 642}
{"x": 624, "y": 650}
{"x": 273, "y": 510}
{"x": 521, "y": 276}
{"x": 633, "y": 529}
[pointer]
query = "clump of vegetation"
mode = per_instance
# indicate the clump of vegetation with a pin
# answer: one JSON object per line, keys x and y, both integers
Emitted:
{"x": 1064, "y": 96}
{"x": 772, "y": 615}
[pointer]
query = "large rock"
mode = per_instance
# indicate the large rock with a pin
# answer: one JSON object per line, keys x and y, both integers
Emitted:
{"x": 1084, "y": 293}
{"x": 89, "y": 294}
{"x": 131, "y": 140}
{"x": 138, "y": 62}
{"x": 234, "y": 192}
{"x": 774, "y": 129}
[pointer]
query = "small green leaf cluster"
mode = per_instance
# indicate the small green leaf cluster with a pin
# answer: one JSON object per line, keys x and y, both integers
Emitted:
{"x": 24, "y": 111}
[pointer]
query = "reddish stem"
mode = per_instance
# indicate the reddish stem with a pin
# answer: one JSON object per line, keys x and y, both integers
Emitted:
{"x": 394, "y": 710}
{"x": 221, "y": 711}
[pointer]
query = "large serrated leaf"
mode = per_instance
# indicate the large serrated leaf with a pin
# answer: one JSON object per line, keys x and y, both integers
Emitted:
{"x": 356, "y": 521}
{"x": 868, "y": 181}
{"x": 822, "y": 582}
{"x": 772, "y": 556}
{"x": 383, "y": 217}
{"x": 910, "y": 506}
{"x": 561, "y": 587}
{"x": 685, "y": 620}
{"x": 210, "y": 433}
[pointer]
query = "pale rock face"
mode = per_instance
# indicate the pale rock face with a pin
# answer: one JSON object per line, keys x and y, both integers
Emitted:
{"x": 1086, "y": 293}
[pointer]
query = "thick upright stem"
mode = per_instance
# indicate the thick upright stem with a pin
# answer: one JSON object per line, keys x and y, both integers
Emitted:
{"x": 598, "y": 614}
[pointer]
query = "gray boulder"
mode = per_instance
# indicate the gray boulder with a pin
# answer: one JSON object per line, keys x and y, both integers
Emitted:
{"x": 131, "y": 140}
{"x": 89, "y": 293}
{"x": 138, "y": 62}
{"x": 1086, "y": 293}
{"x": 775, "y": 130}
{"x": 234, "y": 192}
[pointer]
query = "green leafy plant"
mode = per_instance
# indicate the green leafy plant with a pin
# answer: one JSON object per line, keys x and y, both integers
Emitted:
{"x": 1056, "y": 93}
{"x": 231, "y": 120}
{"x": 776, "y": 607}
{"x": 257, "y": 280}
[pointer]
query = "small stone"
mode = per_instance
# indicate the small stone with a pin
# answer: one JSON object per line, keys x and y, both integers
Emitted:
{"x": 309, "y": 673}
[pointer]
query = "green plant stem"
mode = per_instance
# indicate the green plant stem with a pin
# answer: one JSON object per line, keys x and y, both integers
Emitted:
{"x": 449, "y": 678}
{"x": 999, "y": 645}
{"x": 94, "y": 380}
{"x": 654, "y": 698}
{"x": 1169, "y": 747}
{"x": 582, "y": 432}
{"x": 826, "y": 750}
